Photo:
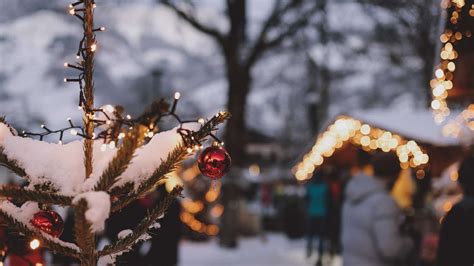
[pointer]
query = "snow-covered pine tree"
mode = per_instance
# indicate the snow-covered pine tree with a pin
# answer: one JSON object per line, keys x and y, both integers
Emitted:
{"x": 117, "y": 160}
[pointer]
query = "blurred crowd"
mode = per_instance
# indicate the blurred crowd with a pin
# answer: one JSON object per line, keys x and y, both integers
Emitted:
{"x": 360, "y": 217}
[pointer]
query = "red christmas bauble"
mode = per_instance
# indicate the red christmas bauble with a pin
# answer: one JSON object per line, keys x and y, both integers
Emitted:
{"x": 49, "y": 222}
{"x": 214, "y": 162}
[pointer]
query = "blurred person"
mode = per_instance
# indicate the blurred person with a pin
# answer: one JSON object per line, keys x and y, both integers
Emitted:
{"x": 336, "y": 185}
{"x": 317, "y": 193}
{"x": 456, "y": 246}
{"x": 371, "y": 218}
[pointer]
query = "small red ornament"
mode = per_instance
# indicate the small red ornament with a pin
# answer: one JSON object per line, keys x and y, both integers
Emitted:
{"x": 214, "y": 162}
{"x": 49, "y": 222}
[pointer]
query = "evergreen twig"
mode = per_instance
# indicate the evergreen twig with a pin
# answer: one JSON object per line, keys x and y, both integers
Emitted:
{"x": 83, "y": 234}
{"x": 34, "y": 195}
{"x": 175, "y": 157}
{"x": 120, "y": 162}
{"x": 143, "y": 227}
{"x": 11, "y": 165}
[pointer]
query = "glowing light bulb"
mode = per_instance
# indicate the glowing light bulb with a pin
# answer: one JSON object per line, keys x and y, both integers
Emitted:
{"x": 34, "y": 244}
{"x": 72, "y": 11}
{"x": 201, "y": 121}
{"x": 93, "y": 47}
{"x": 177, "y": 95}
{"x": 435, "y": 104}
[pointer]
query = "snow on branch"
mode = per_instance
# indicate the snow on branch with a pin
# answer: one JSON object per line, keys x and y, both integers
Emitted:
{"x": 141, "y": 231}
{"x": 23, "y": 194}
{"x": 98, "y": 208}
{"x": 61, "y": 165}
{"x": 19, "y": 219}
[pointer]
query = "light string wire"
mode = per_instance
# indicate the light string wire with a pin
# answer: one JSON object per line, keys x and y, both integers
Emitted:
{"x": 115, "y": 123}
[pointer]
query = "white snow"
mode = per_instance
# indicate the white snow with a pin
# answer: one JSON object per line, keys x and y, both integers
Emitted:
{"x": 98, "y": 208}
{"x": 416, "y": 124}
{"x": 149, "y": 157}
{"x": 276, "y": 250}
{"x": 124, "y": 233}
{"x": 62, "y": 164}
{"x": 156, "y": 225}
{"x": 4, "y": 132}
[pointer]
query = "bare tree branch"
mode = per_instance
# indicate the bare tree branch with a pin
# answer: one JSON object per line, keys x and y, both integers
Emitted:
{"x": 262, "y": 44}
{"x": 194, "y": 22}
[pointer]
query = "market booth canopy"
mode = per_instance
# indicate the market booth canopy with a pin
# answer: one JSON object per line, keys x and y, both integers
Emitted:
{"x": 412, "y": 134}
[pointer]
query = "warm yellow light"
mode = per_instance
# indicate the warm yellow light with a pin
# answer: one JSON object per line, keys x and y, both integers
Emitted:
{"x": 451, "y": 66}
{"x": 172, "y": 181}
{"x": 34, "y": 244}
{"x": 439, "y": 73}
{"x": 435, "y": 104}
{"x": 254, "y": 170}
{"x": 365, "y": 129}
{"x": 365, "y": 141}
{"x": 217, "y": 211}
{"x": 454, "y": 176}
{"x": 447, "y": 206}
{"x": 438, "y": 90}
{"x": 93, "y": 47}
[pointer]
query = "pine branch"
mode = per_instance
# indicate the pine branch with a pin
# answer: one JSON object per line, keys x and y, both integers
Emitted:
{"x": 56, "y": 245}
{"x": 166, "y": 167}
{"x": 34, "y": 195}
{"x": 11, "y": 165}
{"x": 83, "y": 235}
{"x": 142, "y": 228}
{"x": 175, "y": 157}
{"x": 120, "y": 162}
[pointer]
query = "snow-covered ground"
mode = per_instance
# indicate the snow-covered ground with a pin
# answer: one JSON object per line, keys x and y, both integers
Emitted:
{"x": 276, "y": 250}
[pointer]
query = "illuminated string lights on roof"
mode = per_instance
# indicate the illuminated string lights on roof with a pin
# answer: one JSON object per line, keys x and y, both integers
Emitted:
{"x": 454, "y": 128}
{"x": 444, "y": 72}
{"x": 347, "y": 129}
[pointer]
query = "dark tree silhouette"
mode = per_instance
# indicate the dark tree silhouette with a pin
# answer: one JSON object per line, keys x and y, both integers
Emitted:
{"x": 241, "y": 52}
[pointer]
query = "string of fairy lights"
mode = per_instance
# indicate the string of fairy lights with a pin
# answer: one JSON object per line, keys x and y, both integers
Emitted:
{"x": 369, "y": 138}
{"x": 442, "y": 82}
{"x": 112, "y": 125}
{"x": 109, "y": 118}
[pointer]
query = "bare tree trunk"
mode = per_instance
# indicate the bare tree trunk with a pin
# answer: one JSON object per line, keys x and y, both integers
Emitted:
{"x": 235, "y": 136}
{"x": 238, "y": 78}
